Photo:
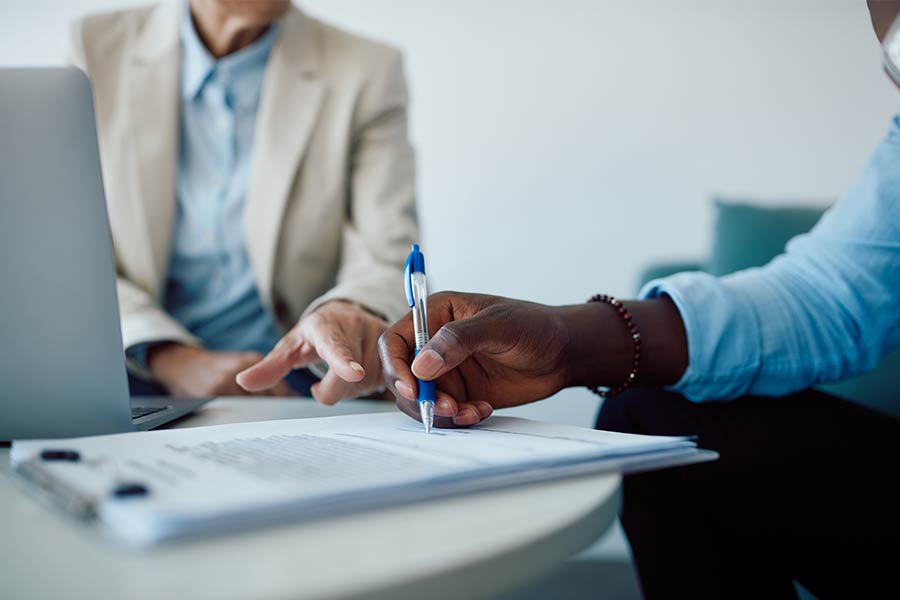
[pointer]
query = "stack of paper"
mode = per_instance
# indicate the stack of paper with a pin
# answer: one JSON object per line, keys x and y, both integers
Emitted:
{"x": 212, "y": 479}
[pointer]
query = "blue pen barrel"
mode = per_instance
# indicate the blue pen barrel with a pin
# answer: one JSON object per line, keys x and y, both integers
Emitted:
{"x": 427, "y": 389}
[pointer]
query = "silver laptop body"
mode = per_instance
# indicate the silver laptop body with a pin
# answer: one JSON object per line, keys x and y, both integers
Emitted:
{"x": 62, "y": 366}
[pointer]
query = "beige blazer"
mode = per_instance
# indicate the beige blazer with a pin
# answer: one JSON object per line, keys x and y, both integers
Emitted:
{"x": 330, "y": 208}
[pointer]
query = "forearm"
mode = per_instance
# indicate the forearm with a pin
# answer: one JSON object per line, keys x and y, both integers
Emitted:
{"x": 601, "y": 350}
{"x": 822, "y": 316}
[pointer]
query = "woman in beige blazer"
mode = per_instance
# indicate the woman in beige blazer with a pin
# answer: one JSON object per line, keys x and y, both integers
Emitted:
{"x": 327, "y": 215}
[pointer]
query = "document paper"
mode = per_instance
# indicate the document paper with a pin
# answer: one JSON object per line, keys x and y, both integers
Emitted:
{"x": 212, "y": 479}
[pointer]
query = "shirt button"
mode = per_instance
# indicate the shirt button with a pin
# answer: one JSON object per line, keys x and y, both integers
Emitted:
{"x": 208, "y": 237}
{"x": 221, "y": 124}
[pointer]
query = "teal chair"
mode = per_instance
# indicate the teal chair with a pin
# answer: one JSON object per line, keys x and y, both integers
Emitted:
{"x": 750, "y": 236}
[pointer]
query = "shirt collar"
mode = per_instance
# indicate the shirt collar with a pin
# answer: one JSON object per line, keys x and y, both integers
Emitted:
{"x": 198, "y": 66}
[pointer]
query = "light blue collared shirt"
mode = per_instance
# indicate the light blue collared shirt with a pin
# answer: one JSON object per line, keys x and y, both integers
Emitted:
{"x": 826, "y": 309}
{"x": 211, "y": 288}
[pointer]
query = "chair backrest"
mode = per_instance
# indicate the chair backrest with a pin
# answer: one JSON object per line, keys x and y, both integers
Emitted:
{"x": 748, "y": 235}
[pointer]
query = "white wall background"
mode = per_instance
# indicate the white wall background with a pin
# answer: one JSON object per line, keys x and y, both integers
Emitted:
{"x": 564, "y": 145}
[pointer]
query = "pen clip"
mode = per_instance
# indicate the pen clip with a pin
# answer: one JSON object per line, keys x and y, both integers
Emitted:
{"x": 407, "y": 279}
{"x": 415, "y": 263}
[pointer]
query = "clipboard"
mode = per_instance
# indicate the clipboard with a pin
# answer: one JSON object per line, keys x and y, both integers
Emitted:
{"x": 145, "y": 488}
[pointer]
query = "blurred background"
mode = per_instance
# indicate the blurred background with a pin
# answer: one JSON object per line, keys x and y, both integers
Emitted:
{"x": 565, "y": 146}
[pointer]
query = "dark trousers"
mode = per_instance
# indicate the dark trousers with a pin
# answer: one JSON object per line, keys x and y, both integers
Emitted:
{"x": 806, "y": 490}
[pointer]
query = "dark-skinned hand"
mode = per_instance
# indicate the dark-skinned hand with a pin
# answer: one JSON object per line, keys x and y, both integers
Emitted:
{"x": 486, "y": 352}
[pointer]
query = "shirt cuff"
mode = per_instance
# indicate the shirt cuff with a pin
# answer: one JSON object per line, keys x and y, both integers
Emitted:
{"x": 724, "y": 345}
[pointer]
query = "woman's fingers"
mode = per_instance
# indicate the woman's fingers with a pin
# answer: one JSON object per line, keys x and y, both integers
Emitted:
{"x": 290, "y": 352}
{"x": 333, "y": 346}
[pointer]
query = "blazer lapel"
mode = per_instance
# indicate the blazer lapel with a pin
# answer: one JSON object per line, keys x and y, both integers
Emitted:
{"x": 289, "y": 105}
{"x": 152, "y": 88}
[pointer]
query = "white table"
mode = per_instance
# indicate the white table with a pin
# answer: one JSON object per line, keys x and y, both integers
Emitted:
{"x": 472, "y": 546}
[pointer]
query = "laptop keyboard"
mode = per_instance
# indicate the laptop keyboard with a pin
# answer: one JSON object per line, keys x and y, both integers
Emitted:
{"x": 142, "y": 411}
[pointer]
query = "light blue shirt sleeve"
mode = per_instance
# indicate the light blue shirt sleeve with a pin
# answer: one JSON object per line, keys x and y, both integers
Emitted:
{"x": 826, "y": 309}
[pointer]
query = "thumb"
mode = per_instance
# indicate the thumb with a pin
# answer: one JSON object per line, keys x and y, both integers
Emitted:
{"x": 455, "y": 342}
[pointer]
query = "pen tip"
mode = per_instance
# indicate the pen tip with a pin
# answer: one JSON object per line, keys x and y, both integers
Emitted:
{"x": 426, "y": 412}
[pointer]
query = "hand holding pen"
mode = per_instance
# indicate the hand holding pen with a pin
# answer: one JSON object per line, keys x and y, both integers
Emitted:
{"x": 487, "y": 352}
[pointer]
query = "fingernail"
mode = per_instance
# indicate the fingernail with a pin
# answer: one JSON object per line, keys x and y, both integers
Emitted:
{"x": 443, "y": 407}
{"x": 357, "y": 367}
{"x": 427, "y": 364}
{"x": 405, "y": 390}
{"x": 466, "y": 416}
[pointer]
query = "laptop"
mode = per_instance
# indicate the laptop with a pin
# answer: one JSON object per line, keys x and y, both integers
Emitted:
{"x": 62, "y": 365}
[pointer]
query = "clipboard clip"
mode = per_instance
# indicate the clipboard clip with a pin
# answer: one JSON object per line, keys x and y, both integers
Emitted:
{"x": 53, "y": 490}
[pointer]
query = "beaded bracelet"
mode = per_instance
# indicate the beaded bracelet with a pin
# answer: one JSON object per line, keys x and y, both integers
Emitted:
{"x": 605, "y": 392}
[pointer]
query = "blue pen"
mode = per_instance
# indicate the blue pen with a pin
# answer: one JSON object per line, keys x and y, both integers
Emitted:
{"x": 417, "y": 295}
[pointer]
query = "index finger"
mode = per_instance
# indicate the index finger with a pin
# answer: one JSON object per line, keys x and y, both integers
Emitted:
{"x": 274, "y": 367}
{"x": 395, "y": 347}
